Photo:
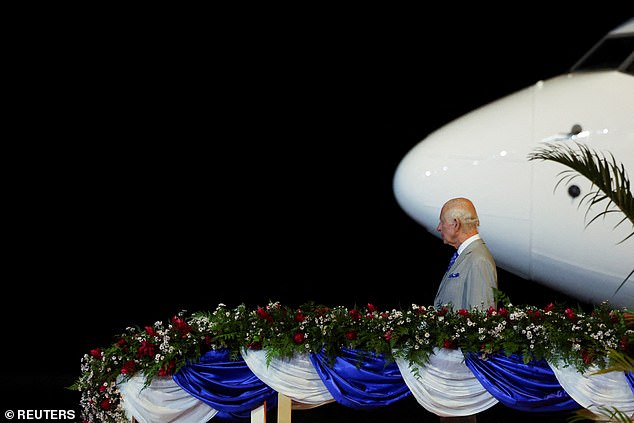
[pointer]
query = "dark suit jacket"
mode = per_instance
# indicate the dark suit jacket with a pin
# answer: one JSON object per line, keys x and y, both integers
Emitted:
{"x": 469, "y": 282}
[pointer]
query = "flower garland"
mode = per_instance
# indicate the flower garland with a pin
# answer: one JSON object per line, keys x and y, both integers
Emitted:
{"x": 556, "y": 333}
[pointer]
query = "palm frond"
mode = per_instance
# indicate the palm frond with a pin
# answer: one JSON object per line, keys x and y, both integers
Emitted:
{"x": 602, "y": 414}
{"x": 619, "y": 362}
{"x": 610, "y": 179}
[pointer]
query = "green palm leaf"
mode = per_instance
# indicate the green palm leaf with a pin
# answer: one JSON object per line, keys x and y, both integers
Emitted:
{"x": 620, "y": 362}
{"x": 609, "y": 179}
{"x": 602, "y": 414}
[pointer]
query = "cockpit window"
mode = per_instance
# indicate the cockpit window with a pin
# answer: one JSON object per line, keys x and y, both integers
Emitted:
{"x": 610, "y": 53}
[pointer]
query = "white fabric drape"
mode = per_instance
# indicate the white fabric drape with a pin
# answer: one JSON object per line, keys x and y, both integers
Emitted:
{"x": 296, "y": 378}
{"x": 161, "y": 401}
{"x": 592, "y": 391}
{"x": 445, "y": 385}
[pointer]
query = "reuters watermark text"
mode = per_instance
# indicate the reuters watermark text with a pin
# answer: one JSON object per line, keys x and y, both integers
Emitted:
{"x": 40, "y": 414}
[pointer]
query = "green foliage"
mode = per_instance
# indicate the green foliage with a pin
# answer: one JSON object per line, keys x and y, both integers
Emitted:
{"x": 609, "y": 178}
{"x": 600, "y": 414}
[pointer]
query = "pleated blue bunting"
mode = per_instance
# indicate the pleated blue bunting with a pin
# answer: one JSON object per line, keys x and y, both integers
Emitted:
{"x": 226, "y": 385}
{"x": 527, "y": 387}
{"x": 361, "y": 380}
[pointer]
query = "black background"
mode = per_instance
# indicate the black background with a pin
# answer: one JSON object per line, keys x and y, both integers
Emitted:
{"x": 159, "y": 163}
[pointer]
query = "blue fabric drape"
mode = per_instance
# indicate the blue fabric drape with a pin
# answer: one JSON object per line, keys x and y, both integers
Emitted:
{"x": 226, "y": 385}
{"x": 526, "y": 387}
{"x": 361, "y": 380}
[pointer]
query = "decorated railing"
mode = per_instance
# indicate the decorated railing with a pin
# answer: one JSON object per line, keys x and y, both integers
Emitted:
{"x": 227, "y": 363}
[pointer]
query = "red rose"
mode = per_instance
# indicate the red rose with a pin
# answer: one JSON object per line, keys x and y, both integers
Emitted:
{"x": 388, "y": 335}
{"x": 371, "y": 307}
{"x": 146, "y": 349}
{"x": 150, "y": 330}
{"x": 442, "y": 311}
{"x": 168, "y": 369}
{"x": 448, "y": 344}
{"x": 264, "y": 315}
{"x": 570, "y": 314}
{"x": 299, "y": 316}
{"x": 624, "y": 343}
{"x": 105, "y": 405}
{"x": 298, "y": 338}
{"x": 354, "y": 314}
{"x": 351, "y": 335}
{"x": 463, "y": 312}
{"x": 255, "y": 345}
{"x": 534, "y": 314}
{"x": 96, "y": 353}
{"x": 182, "y": 326}
{"x": 128, "y": 368}
{"x": 549, "y": 307}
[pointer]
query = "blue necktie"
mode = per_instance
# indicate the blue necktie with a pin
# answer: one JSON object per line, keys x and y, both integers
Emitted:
{"x": 453, "y": 259}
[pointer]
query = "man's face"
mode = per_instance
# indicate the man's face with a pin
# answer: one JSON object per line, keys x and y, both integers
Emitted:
{"x": 448, "y": 229}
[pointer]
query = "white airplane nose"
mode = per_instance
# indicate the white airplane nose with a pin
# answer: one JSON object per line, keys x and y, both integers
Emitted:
{"x": 533, "y": 230}
{"x": 481, "y": 156}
